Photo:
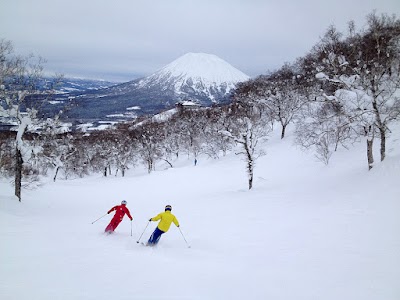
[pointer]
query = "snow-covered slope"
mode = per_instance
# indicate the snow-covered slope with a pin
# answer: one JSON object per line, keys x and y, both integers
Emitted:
{"x": 306, "y": 231}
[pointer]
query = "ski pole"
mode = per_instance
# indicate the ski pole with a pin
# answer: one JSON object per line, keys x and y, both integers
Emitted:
{"x": 131, "y": 227}
{"x": 184, "y": 237}
{"x": 143, "y": 232}
{"x": 99, "y": 218}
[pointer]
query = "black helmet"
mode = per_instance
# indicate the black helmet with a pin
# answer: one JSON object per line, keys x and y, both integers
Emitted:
{"x": 168, "y": 207}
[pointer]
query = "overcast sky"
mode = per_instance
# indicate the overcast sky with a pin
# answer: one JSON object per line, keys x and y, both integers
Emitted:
{"x": 125, "y": 39}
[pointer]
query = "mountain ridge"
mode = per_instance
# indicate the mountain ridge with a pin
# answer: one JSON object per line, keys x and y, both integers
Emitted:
{"x": 202, "y": 78}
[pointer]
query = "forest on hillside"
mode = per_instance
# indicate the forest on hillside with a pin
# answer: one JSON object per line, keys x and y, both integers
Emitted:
{"x": 345, "y": 90}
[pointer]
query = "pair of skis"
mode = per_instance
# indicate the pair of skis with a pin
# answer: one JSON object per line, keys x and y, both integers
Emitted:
{"x": 149, "y": 245}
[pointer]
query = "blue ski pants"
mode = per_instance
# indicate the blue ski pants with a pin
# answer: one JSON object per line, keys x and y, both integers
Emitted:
{"x": 155, "y": 237}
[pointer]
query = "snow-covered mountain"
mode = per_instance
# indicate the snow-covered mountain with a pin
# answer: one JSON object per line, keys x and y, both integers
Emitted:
{"x": 202, "y": 78}
{"x": 71, "y": 84}
{"x": 80, "y": 84}
{"x": 196, "y": 74}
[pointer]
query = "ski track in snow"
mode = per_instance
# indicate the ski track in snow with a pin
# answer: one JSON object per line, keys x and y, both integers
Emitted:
{"x": 306, "y": 231}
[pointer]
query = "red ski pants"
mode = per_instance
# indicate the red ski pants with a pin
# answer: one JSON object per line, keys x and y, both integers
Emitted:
{"x": 113, "y": 224}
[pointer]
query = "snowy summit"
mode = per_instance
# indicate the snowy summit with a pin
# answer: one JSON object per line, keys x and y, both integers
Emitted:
{"x": 202, "y": 73}
{"x": 204, "y": 67}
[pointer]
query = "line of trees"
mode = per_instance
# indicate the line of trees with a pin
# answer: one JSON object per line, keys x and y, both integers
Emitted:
{"x": 358, "y": 78}
{"x": 345, "y": 90}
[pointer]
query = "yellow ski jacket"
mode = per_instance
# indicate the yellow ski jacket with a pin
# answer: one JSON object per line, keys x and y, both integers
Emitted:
{"x": 166, "y": 219}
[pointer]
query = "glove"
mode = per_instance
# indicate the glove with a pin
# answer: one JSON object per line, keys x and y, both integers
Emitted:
{"x": 131, "y": 219}
{"x": 108, "y": 213}
{"x": 150, "y": 219}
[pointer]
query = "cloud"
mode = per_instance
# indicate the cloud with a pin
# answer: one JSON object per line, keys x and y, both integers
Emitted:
{"x": 99, "y": 38}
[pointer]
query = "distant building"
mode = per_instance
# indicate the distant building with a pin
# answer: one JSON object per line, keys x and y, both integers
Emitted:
{"x": 187, "y": 104}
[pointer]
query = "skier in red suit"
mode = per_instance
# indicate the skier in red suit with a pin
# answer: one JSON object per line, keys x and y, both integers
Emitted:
{"x": 120, "y": 211}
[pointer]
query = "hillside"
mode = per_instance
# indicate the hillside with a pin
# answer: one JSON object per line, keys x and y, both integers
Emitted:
{"x": 306, "y": 231}
{"x": 203, "y": 78}
{"x": 70, "y": 85}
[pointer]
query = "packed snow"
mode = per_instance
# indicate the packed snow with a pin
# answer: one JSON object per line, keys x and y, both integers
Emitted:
{"x": 305, "y": 231}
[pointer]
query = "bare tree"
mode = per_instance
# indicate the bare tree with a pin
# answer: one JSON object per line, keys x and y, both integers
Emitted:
{"x": 378, "y": 71}
{"x": 19, "y": 78}
{"x": 149, "y": 138}
{"x": 249, "y": 129}
{"x": 285, "y": 96}
{"x": 325, "y": 127}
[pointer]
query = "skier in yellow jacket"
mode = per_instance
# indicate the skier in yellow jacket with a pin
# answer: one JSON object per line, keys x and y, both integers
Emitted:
{"x": 166, "y": 219}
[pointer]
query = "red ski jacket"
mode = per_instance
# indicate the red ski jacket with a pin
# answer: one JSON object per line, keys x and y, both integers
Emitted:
{"x": 120, "y": 211}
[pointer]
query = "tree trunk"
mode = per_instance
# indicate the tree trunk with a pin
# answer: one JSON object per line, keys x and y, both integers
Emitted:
{"x": 381, "y": 126}
{"x": 370, "y": 155}
{"x": 149, "y": 165}
{"x": 383, "y": 143}
{"x": 55, "y": 176}
{"x": 250, "y": 163}
{"x": 168, "y": 163}
{"x": 251, "y": 180}
{"x": 18, "y": 173}
{"x": 283, "y": 131}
